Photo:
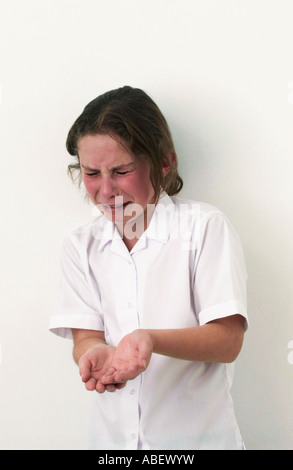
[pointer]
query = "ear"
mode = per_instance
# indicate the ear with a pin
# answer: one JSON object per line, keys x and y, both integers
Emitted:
{"x": 168, "y": 162}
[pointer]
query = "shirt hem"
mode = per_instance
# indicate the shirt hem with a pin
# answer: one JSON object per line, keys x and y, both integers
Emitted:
{"x": 61, "y": 325}
{"x": 227, "y": 309}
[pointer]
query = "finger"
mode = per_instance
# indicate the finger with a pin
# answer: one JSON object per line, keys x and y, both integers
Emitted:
{"x": 84, "y": 368}
{"x": 100, "y": 388}
{"x": 144, "y": 355}
{"x": 142, "y": 362}
{"x": 108, "y": 377}
{"x": 115, "y": 386}
{"x": 90, "y": 384}
{"x": 121, "y": 385}
{"x": 123, "y": 375}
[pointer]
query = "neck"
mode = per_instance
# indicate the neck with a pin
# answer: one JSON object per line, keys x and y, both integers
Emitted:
{"x": 130, "y": 243}
{"x": 133, "y": 229}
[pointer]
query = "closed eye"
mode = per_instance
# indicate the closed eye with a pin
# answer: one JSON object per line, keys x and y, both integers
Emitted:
{"x": 120, "y": 173}
{"x": 92, "y": 174}
{"x": 115, "y": 171}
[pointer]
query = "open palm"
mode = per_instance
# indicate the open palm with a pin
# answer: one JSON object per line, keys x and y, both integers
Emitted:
{"x": 131, "y": 358}
{"x": 93, "y": 366}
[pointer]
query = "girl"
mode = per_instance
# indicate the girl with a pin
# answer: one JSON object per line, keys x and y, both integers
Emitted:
{"x": 153, "y": 291}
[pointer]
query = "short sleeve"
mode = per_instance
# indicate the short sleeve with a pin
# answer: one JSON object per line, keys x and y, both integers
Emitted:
{"x": 77, "y": 304}
{"x": 220, "y": 272}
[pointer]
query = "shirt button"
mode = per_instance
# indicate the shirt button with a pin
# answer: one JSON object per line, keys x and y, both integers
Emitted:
{"x": 132, "y": 391}
{"x": 130, "y": 305}
{"x": 133, "y": 436}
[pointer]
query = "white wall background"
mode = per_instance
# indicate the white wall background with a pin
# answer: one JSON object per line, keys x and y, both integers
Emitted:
{"x": 221, "y": 71}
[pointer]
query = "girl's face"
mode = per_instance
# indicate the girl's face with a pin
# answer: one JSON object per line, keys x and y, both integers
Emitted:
{"x": 116, "y": 181}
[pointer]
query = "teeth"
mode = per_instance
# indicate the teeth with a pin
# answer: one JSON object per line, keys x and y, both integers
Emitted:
{"x": 118, "y": 206}
{"x": 114, "y": 206}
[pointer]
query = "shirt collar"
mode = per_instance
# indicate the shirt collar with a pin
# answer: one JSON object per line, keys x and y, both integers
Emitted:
{"x": 162, "y": 218}
{"x": 104, "y": 231}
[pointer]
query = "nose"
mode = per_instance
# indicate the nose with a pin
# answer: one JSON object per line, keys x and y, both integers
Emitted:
{"x": 107, "y": 188}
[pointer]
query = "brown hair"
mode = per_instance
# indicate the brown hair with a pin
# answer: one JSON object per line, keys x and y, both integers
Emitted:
{"x": 131, "y": 115}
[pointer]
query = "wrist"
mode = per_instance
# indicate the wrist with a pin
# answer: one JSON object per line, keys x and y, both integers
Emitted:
{"x": 86, "y": 345}
{"x": 151, "y": 338}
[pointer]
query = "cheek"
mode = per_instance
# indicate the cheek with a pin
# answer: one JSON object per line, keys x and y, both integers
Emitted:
{"x": 90, "y": 185}
{"x": 144, "y": 186}
{"x": 130, "y": 184}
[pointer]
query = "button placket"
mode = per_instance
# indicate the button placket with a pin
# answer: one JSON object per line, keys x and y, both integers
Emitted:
{"x": 131, "y": 403}
{"x": 131, "y": 299}
{"x": 132, "y": 391}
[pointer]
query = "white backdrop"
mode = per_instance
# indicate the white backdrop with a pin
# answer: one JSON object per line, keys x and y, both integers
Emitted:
{"x": 222, "y": 73}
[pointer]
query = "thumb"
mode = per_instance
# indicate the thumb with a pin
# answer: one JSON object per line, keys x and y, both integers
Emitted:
{"x": 144, "y": 355}
{"x": 85, "y": 366}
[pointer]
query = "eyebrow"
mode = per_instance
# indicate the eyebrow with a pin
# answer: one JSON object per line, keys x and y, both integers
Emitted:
{"x": 116, "y": 168}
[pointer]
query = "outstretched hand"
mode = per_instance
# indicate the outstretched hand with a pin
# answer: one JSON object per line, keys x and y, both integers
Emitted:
{"x": 105, "y": 368}
{"x": 93, "y": 365}
{"x": 130, "y": 358}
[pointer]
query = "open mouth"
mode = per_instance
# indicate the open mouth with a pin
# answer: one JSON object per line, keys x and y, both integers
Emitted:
{"x": 114, "y": 207}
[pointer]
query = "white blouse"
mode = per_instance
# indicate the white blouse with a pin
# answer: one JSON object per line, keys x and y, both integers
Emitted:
{"x": 186, "y": 270}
